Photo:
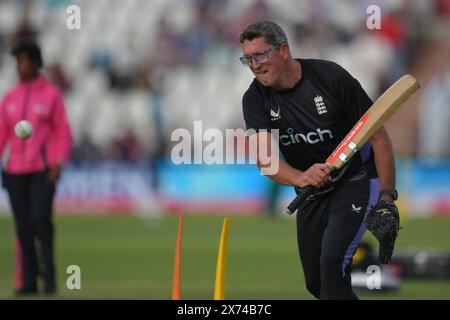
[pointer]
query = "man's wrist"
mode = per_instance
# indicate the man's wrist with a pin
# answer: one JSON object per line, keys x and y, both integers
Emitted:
{"x": 386, "y": 198}
{"x": 390, "y": 195}
{"x": 297, "y": 180}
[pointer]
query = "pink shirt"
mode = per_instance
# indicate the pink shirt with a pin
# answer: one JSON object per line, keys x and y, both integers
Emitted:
{"x": 41, "y": 103}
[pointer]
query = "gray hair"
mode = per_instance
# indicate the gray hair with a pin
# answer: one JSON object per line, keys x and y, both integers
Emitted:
{"x": 271, "y": 32}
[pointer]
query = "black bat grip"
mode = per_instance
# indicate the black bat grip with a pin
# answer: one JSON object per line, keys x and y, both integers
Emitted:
{"x": 303, "y": 193}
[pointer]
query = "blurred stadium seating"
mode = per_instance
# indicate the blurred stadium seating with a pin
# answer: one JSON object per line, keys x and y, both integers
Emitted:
{"x": 177, "y": 59}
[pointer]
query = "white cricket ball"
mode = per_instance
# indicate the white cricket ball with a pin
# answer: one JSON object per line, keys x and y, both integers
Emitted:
{"x": 23, "y": 129}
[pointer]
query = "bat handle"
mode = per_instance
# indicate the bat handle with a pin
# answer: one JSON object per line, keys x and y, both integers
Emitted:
{"x": 303, "y": 193}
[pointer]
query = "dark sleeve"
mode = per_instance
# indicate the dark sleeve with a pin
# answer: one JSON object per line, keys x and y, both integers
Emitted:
{"x": 254, "y": 113}
{"x": 352, "y": 96}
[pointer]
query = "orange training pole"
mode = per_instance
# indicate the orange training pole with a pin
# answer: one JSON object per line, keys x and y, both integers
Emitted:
{"x": 177, "y": 264}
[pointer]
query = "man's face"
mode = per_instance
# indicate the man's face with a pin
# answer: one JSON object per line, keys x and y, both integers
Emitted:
{"x": 267, "y": 73}
{"x": 26, "y": 68}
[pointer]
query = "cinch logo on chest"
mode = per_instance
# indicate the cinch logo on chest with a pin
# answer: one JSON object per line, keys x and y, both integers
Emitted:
{"x": 310, "y": 138}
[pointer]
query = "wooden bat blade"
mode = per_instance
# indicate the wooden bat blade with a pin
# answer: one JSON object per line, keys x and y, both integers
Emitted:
{"x": 373, "y": 119}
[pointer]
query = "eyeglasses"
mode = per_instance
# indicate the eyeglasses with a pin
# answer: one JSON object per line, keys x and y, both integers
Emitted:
{"x": 259, "y": 57}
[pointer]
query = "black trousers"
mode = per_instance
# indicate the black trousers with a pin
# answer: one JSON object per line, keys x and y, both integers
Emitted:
{"x": 31, "y": 198}
{"x": 329, "y": 230}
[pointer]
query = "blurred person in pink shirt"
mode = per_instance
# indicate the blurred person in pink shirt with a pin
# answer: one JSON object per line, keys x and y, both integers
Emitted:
{"x": 32, "y": 167}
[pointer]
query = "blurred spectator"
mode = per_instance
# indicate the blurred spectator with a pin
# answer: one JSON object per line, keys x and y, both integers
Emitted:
{"x": 141, "y": 79}
{"x": 394, "y": 29}
{"x": 86, "y": 151}
{"x": 125, "y": 63}
{"x": 259, "y": 10}
{"x": 2, "y": 47}
{"x": 167, "y": 46}
{"x": 58, "y": 76}
{"x": 25, "y": 30}
{"x": 101, "y": 59}
{"x": 126, "y": 148}
{"x": 33, "y": 167}
{"x": 198, "y": 35}
{"x": 443, "y": 7}
{"x": 159, "y": 149}
{"x": 434, "y": 117}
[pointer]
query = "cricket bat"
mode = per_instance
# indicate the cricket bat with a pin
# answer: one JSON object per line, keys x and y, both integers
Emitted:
{"x": 363, "y": 130}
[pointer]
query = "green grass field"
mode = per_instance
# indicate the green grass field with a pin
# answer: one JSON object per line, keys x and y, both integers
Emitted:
{"x": 130, "y": 257}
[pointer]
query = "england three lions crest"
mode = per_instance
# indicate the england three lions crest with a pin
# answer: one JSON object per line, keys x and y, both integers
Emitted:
{"x": 320, "y": 105}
